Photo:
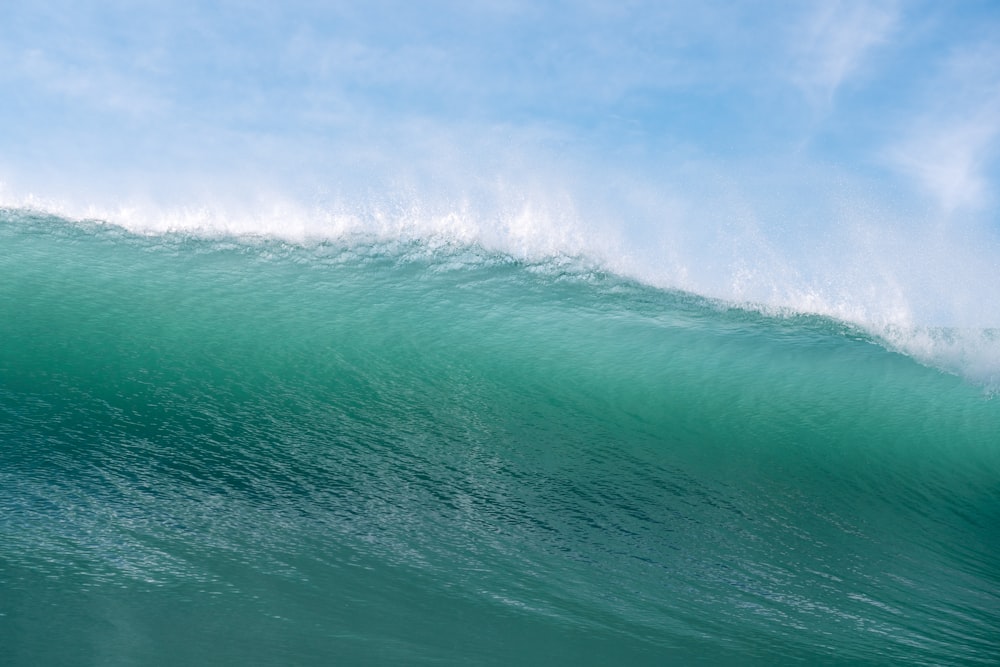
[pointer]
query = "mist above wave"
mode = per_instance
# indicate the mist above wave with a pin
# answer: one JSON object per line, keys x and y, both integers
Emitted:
{"x": 923, "y": 286}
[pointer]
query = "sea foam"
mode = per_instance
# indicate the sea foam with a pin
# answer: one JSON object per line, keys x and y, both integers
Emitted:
{"x": 919, "y": 286}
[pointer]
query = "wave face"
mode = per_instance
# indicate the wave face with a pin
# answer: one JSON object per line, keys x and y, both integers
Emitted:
{"x": 218, "y": 451}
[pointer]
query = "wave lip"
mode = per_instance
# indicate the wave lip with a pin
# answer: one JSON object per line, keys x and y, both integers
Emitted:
{"x": 878, "y": 301}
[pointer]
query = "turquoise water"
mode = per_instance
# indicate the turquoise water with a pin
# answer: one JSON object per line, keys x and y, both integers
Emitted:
{"x": 237, "y": 451}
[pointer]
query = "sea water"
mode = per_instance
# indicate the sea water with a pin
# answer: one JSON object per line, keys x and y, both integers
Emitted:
{"x": 225, "y": 449}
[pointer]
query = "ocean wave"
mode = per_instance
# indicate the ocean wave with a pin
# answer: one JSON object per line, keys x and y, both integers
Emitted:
{"x": 465, "y": 238}
{"x": 397, "y": 438}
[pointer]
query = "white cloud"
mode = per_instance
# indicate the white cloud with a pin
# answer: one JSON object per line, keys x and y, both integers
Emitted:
{"x": 948, "y": 160}
{"x": 100, "y": 87}
{"x": 949, "y": 145}
{"x": 832, "y": 43}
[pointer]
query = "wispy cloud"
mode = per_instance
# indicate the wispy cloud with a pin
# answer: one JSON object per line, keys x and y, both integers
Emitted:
{"x": 832, "y": 42}
{"x": 99, "y": 84}
{"x": 949, "y": 146}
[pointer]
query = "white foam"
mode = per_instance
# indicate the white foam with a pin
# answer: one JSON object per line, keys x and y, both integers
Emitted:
{"x": 971, "y": 353}
{"x": 927, "y": 287}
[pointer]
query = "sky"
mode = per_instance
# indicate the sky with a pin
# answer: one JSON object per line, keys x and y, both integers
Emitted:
{"x": 782, "y": 150}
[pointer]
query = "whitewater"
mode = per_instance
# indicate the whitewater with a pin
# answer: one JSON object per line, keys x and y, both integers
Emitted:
{"x": 401, "y": 438}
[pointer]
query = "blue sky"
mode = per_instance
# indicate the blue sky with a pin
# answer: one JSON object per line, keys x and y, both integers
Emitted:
{"x": 908, "y": 93}
{"x": 796, "y": 118}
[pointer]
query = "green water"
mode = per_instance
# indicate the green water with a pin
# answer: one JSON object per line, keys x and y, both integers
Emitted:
{"x": 219, "y": 451}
